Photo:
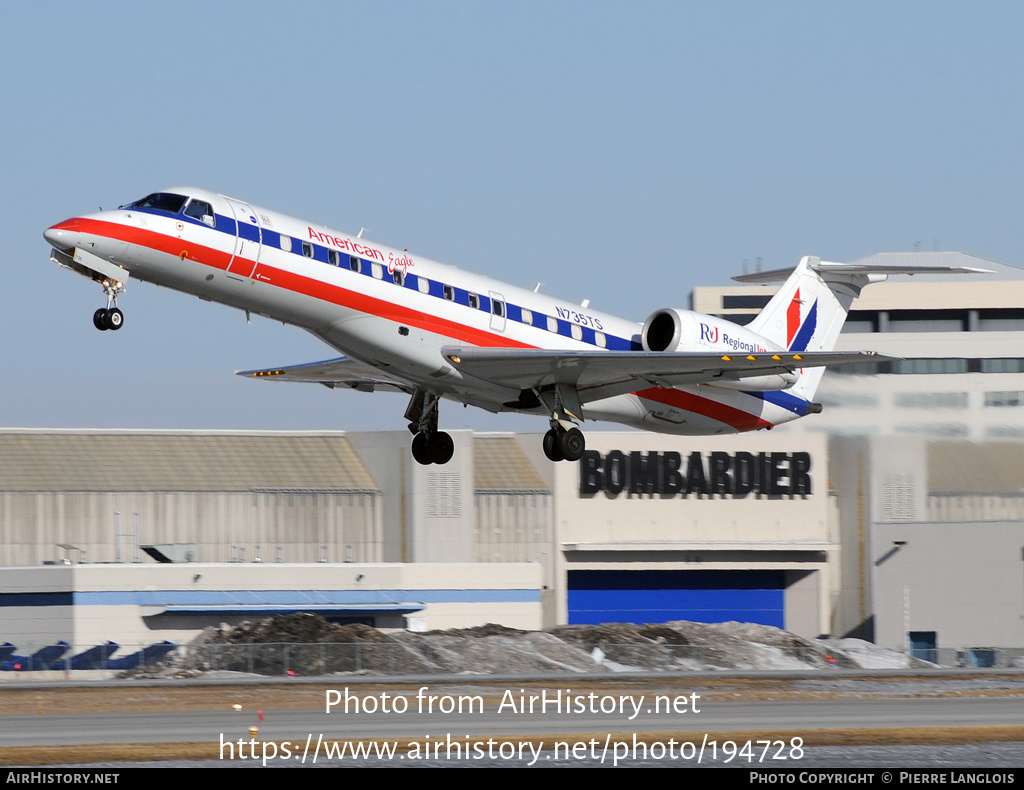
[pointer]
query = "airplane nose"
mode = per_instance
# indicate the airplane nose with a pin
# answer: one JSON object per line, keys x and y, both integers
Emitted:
{"x": 61, "y": 235}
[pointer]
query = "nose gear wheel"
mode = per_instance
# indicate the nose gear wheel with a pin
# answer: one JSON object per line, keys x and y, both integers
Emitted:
{"x": 108, "y": 318}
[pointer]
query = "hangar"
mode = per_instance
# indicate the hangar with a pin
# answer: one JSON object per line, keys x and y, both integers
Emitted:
{"x": 896, "y": 515}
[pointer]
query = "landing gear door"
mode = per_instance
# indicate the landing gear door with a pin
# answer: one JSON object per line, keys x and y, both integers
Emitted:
{"x": 248, "y": 241}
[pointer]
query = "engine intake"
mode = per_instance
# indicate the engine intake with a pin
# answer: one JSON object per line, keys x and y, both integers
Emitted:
{"x": 662, "y": 331}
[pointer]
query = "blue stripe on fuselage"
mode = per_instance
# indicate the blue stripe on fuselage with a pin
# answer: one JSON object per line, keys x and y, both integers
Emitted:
{"x": 781, "y": 399}
{"x": 272, "y": 238}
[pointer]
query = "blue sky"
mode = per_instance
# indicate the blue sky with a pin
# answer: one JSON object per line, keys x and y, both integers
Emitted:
{"x": 618, "y": 152}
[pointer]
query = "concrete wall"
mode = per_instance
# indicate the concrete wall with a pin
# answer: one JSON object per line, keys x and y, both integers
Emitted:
{"x": 293, "y": 526}
{"x": 123, "y": 603}
{"x": 428, "y": 511}
{"x": 965, "y": 581}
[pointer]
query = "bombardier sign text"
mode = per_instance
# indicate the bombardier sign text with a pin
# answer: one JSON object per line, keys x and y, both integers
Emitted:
{"x": 705, "y": 474}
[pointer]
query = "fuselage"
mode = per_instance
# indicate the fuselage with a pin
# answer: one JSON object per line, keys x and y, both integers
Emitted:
{"x": 395, "y": 311}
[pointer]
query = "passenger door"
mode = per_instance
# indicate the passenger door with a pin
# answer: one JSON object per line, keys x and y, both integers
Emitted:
{"x": 248, "y": 241}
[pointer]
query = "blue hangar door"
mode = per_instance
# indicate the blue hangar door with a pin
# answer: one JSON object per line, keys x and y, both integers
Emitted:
{"x": 660, "y": 596}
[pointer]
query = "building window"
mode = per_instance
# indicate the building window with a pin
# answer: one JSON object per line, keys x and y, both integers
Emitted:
{"x": 1009, "y": 365}
{"x": 1004, "y": 398}
{"x": 915, "y": 366}
{"x": 931, "y": 400}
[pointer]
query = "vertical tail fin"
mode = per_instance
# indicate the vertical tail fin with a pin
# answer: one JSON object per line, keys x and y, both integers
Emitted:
{"x": 807, "y": 314}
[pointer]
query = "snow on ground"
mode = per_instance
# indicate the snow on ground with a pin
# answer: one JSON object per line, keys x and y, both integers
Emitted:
{"x": 316, "y": 647}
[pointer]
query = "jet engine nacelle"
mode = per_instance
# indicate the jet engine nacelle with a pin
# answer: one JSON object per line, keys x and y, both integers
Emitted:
{"x": 673, "y": 329}
{"x": 670, "y": 330}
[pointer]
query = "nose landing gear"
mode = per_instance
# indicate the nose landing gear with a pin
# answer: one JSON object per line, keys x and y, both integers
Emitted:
{"x": 109, "y": 317}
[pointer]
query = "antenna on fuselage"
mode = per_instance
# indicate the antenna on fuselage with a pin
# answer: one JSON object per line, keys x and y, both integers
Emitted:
{"x": 585, "y": 304}
{"x": 359, "y": 235}
{"x": 536, "y": 288}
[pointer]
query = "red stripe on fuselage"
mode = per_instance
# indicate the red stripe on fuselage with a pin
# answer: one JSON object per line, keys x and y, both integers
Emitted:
{"x": 161, "y": 242}
{"x": 297, "y": 283}
{"x": 737, "y": 418}
{"x": 333, "y": 294}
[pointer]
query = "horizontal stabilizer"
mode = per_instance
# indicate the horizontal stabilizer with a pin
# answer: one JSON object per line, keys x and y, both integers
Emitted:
{"x": 873, "y": 270}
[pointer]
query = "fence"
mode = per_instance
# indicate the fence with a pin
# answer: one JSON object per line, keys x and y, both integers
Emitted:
{"x": 416, "y": 656}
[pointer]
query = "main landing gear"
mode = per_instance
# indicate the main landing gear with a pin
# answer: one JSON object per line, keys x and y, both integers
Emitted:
{"x": 564, "y": 442}
{"x": 561, "y": 444}
{"x": 109, "y": 317}
{"x": 429, "y": 445}
{"x": 432, "y": 448}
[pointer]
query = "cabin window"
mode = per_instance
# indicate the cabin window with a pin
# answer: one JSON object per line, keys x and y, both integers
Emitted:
{"x": 449, "y": 293}
{"x": 307, "y": 249}
{"x": 576, "y": 331}
{"x": 498, "y": 308}
{"x": 600, "y": 339}
{"x": 552, "y": 324}
{"x": 474, "y": 301}
{"x": 398, "y": 277}
{"x": 202, "y": 211}
{"x": 353, "y": 263}
{"x": 423, "y": 284}
{"x": 527, "y": 317}
{"x": 377, "y": 271}
{"x": 333, "y": 258}
{"x": 286, "y": 243}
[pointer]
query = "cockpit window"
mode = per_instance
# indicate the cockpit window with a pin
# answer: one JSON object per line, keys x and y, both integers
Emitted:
{"x": 201, "y": 210}
{"x": 161, "y": 201}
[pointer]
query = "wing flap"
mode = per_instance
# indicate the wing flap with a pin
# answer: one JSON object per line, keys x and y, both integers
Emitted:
{"x": 340, "y": 372}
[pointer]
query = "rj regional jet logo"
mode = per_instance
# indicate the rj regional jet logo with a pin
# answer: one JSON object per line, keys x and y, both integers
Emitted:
{"x": 666, "y": 475}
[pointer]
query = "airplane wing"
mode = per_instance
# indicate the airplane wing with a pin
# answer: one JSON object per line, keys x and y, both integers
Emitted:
{"x": 602, "y": 374}
{"x": 340, "y": 372}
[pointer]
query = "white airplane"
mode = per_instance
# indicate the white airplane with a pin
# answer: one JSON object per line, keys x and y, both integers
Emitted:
{"x": 405, "y": 323}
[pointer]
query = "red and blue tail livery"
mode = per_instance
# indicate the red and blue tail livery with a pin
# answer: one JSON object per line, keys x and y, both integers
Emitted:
{"x": 405, "y": 323}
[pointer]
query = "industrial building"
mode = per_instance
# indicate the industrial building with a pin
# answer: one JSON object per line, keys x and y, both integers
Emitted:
{"x": 896, "y": 515}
